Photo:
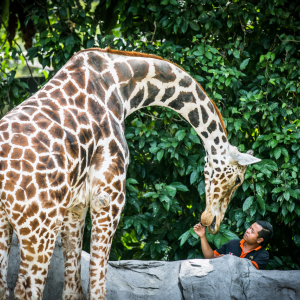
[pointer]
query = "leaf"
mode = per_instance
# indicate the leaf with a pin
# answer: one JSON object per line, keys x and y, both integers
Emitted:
{"x": 174, "y": 2}
{"x": 193, "y": 233}
{"x": 164, "y": 198}
{"x": 273, "y": 143}
{"x": 260, "y": 189}
{"x": 222, "y": 79}
{"x": 11, "y": 77}
{"x": 152, "y": 149}
{"x": 90, "y": 43}
{"x": 164, "y": 2}
{"x": 217, "y": 240}
{"x": 270, "y": 164}
{"x": 227, "y": 82}
{"x": 44, "y": 33}
{"x": 152, "y": 7}
{"x": 208, "y": 55}
{"x": 15, "y": 91}
{"x": 171, "y": 190}
{"x": 284, "y": 210}
{"x": 156, "y": 206}
{"x": 247, "y": 115}
{"x": 286, "y": 196}
{"x": 291, "y": 206}
{"x": 183, "y": 238}
{"x": 236, "y": 53}
{"x": 277, "y": 152}
{"x": 229, "y": 22}
{"x": 194, "y": 176}
{"x": 261, "y": 202}
{"x": 293, "y": 193}
{"x": 131, "y": 180}
{"x": 230, "y": 235}
{"x": 245, "y": 185}
{"x": 194, "y": 25}
{"x": 142, "y": 142}
{"x": 179, "y": 186}
{"x": 297, "y": 209}
{"x": 201, "y": 187}
{"x": 237, "y": 124}
{"x": 297, "y": 240}
{"x": 180, "y": 135}
{"x": 166, "y": 201}
{"x": 24, "y": 85}
{"x": 160, "y": 154}
{"x": 248, "y": 202}
{"x": 284, "y": 152}
{"x": 253, "y": 210}
{"x": 244, "y": 64}
{"x": 184, "y": 26}
{"x": 149, "y": 194}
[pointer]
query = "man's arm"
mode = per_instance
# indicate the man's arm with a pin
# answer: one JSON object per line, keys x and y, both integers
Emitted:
{"x": 206, "y": 249}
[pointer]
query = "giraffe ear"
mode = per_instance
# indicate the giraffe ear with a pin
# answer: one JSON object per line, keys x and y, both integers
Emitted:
{"x": 244, "y": 159}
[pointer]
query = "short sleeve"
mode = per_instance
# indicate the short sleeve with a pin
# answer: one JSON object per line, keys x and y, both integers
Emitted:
{"x": 261, "y": 260}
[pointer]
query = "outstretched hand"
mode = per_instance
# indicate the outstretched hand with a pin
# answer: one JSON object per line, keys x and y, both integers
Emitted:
{"x": 199, "y": 230}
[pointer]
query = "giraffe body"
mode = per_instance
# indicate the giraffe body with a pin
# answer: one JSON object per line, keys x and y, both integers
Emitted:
{"x": 63, "y": 150}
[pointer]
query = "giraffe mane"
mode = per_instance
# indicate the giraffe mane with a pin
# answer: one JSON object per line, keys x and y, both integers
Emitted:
{"x": 139, "y": 54}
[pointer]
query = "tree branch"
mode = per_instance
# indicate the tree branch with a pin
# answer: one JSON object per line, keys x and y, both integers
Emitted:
{"x": 8, "y": 34}
{"x": 155, "y": 27}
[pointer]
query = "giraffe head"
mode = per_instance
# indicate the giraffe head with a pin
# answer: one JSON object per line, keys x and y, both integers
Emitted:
{"x": 222, "y": 178}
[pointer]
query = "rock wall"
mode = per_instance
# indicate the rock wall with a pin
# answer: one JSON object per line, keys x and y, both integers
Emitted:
{"x": 223, "y": 278}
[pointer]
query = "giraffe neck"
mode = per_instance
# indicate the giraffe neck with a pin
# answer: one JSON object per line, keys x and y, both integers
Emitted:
{"x": 159, "y": 83}
{"x": 126, "y": 83}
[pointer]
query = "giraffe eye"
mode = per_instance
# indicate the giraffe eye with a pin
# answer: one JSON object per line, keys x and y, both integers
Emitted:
{"x": 237, "y": 181}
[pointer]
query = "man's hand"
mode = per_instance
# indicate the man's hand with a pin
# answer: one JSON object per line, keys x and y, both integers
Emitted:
{"x": 199, "y": 230}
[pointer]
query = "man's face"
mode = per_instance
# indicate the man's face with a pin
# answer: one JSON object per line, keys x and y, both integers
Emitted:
{"x": 251, "y": 234}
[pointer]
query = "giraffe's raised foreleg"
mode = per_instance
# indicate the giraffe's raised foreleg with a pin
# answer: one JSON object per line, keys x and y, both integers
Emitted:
{"x": 71, "y": 237}
{"x": 5, "y": 240}
{"x": 104, "y": 224}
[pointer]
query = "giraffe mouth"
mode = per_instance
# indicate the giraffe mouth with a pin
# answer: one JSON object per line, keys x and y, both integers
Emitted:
{"x": 213, "y": 224}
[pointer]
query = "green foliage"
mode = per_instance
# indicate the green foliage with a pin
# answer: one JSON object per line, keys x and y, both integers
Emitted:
{"x": 246, "y": 56}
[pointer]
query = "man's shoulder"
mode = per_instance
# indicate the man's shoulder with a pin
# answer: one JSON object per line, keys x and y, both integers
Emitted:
{"x": 233, "y": 244}
{"x": 263, "y": 253}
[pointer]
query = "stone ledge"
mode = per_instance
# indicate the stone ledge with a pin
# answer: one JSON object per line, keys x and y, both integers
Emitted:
{"x": 223, "y": 278}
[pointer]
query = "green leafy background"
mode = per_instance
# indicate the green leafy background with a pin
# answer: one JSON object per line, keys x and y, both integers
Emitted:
{"x": 245, "y": 54}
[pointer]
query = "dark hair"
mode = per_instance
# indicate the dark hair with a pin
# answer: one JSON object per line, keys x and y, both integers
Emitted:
{"x": 266, "y": 233}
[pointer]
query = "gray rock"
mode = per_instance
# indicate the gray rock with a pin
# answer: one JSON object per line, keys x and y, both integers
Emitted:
{"x": 228, "y": 277}
{"x": 231, "y": 277}
{"x": 143, "y": 280}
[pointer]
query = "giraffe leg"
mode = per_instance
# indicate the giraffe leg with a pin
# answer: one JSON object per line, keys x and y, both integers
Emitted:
{"x": 104, "y": 225}
{"x": 36, "y": 249}
{"x": 5, "y": 240}
{"x": 72, "y": 236}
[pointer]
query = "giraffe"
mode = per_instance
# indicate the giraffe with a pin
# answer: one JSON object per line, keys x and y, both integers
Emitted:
{"x": 63, "y": 150}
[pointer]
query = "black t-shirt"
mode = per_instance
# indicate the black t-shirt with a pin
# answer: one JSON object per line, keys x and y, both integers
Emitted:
{"x": 259, "y": 256}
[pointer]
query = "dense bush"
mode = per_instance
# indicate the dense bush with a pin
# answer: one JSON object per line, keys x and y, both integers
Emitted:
{"x": 246, "y": 56}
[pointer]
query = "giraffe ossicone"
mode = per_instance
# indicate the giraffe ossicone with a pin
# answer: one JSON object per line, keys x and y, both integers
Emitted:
{"x": 64, "y": 149}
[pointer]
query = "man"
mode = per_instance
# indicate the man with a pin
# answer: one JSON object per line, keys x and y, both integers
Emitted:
{"x": 252, "y": 246}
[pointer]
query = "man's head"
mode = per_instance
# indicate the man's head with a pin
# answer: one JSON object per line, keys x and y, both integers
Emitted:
{"x": 259, "y": 232}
